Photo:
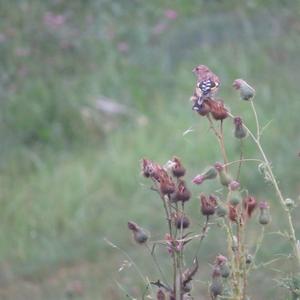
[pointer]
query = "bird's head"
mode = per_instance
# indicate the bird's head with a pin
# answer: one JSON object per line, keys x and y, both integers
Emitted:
{"x": 201, "y": 69}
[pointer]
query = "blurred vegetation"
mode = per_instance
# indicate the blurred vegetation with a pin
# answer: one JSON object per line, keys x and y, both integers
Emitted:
{"x": 69, "y": 164}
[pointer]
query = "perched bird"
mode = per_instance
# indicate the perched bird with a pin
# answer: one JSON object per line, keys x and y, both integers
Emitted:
{"x": 207, "y": 82}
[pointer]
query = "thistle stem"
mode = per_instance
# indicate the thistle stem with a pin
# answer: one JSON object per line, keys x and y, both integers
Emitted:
{"x": 157, "y": 264}
{"x": 202, "y": 236}
{"x": 240, "y": 161}
{"x": 181, "y": 251}
{"x": 223, "y": 144}
{"x": 220, "y": 138}
{"x": 256, "y": 140}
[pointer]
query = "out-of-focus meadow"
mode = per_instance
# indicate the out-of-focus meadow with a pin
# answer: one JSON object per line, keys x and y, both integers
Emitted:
{"x": 89, "y": 87}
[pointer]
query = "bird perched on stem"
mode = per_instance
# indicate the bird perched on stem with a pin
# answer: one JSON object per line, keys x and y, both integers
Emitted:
{"x": 207, "y": 82}
{"x": 207, "y": 86}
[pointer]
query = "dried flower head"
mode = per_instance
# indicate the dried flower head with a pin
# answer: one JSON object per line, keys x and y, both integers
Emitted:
{"x": 250, "y": 204}
{"x": 147, "y": 167}
{"x": 220, "y": 259}
{"x": 219, "y": 166}
{"x": 181, "y": 220}
{"x": 201, "y": 106}
{"x": 222, "y": 263}
{"x": 139, "y": 234}
{"x": 150, "y": 169}
{"x": 132, "y": 226}
{"x": 216, "y": 286}
{"x": 210, "y": 173}
{"x": 181, "y": 193}
{"x": 239, "y": 130}
{"x": 247, "y": 92}
{"x": 177, "y": 168}
{"x": 166, "y": 184}
{"x": 225, "y": 178}
{"x": 208, "y": 204}
{"x": 263, "y": 205}
{"x": 234, "y": 185}
{"x": 264, "y": 215}
{"x": 218, "y": 110}
{"x": 198, "y": 179}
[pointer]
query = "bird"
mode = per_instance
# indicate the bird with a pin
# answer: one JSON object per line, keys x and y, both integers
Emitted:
{"x": 207, "y": 85}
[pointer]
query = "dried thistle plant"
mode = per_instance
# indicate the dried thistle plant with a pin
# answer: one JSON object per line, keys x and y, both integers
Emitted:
{"x": 233, "y": 209}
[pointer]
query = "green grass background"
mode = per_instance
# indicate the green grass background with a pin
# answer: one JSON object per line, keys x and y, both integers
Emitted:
{"x": 70, "y": 174}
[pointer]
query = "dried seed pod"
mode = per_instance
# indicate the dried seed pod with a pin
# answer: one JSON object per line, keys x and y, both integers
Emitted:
{"x": 250, "y": 204}
{"x": 264, "y": 216}
{"x": 209, "y": 173}
{"x": 247, "y": 92}
{"x": 178, "y": 219}
{"x": 150, "y": 169}
{"x": 178, "y": 169}
{"x": 202, "y": 107}
{"x": 222, "y": 263}
{"x": 216, "y": 286}
{"x": 132, "y": 226}
{"x": 167, "y": 186}
{"x": 198, "y": 179}
{"x": 234, "y": 185}
{"x": 235, "y": 198}
{"x": 181, "y": 193}
{"x": 225, "y": 270}
{"x": 208, "y": 204}
{"x": 239, "y": 130}
{"x": 218, "y": 110}
{"x": 139, "y": 234}
{"x": 225, "y": 178}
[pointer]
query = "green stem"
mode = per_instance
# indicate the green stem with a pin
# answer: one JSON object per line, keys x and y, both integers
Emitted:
{"x": 157, "y": 265}
{"x": 240, "y": 161}
{"x": 223, "y": 144}
{"x": 256, "y": 140}
{"x": 180, "y": 265}
{"x": 258, "y": 246}
{"x": 202, "y": 236}
{"x": 220, "y": 139}
{"x": 256, "y": 120}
